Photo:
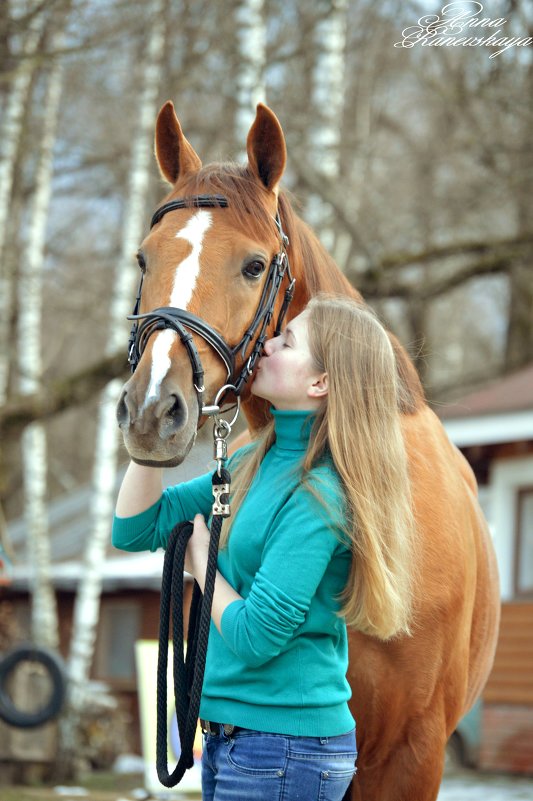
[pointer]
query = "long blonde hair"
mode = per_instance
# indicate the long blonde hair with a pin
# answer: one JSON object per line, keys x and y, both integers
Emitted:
{"x": 358, "y": 423}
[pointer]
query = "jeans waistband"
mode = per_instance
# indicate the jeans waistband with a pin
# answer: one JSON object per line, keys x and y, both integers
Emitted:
{"x": 210, "y": 727}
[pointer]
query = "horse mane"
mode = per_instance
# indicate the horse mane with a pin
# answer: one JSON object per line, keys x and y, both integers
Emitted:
{"x": 312, "y": 266}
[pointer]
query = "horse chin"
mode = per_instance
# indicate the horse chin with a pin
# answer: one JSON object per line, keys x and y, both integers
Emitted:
{"x": 168, "y": 454}
{"x": 173, "y": 462}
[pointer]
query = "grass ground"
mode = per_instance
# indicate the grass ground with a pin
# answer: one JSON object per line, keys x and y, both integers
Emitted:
{"x": 100, "y": 787}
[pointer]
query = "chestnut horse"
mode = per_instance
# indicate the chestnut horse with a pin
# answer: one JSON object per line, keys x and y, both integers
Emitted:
{"x": 410, "y": 692}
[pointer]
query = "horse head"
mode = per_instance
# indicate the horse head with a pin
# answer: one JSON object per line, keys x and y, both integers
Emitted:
{"x": 207, "y": 254}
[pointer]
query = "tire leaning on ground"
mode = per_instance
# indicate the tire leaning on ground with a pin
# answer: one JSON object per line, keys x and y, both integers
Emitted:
{"x": 53, "y": 666}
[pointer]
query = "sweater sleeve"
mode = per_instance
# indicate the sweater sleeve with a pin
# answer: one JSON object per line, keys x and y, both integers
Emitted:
{"x": 299, "y": 548}
{"x": 150, "y": 529}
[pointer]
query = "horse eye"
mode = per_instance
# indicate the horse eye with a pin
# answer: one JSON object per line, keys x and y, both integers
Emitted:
{"x": 254, "y": 269}
{"x": 141, "y": 262}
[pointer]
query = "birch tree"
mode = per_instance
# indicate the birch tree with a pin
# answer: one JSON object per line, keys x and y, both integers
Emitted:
{"x": 11, "y": 127}
{"x": 87, "y": 603}
{"x": 327, "y": 97}
{"x": 34, "y": 457}
{"x": 250, "y": 32}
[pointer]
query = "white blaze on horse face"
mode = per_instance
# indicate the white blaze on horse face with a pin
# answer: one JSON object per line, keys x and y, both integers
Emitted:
{"x": 185, "y": 279}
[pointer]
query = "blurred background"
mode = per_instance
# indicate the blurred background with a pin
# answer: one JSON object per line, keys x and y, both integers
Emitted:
{"x": 414, "y": 165}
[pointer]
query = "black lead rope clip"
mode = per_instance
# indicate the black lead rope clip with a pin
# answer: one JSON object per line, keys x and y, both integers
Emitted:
{"x": 221, "y": 431}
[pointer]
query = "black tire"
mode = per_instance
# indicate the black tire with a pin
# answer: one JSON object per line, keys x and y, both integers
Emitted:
{"x": 54, "y": 667}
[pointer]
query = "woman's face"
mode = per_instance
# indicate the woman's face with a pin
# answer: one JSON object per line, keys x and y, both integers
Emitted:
{"x": 285, "y": 374}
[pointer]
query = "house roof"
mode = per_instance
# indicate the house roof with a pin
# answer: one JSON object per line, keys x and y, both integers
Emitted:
{"x": 513, "y": 392}
{"x": 500, "y": 412}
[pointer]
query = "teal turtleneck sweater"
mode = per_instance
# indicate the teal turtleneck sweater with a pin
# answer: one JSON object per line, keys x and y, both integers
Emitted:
{"x": 280, "y": 663}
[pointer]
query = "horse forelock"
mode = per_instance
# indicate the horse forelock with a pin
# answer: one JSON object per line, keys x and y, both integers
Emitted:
{"x": 248, "y": 202}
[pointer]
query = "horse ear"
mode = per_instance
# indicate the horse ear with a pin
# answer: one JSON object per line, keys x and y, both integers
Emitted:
{"x": 267, "y": 154}
{"x": 175, "y": 156}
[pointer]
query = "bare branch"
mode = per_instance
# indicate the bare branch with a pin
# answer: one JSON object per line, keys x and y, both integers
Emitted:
{"x": 321, "y": 187}
{"x": 510, "y": 247}
{"x": 61, "y": 394}
{"x": 379, "y": 290}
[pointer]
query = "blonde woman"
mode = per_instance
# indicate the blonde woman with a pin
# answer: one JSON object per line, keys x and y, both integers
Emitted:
{"x": 320, "y": 537}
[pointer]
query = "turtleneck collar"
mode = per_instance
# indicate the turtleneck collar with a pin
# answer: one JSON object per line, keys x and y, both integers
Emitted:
{"x": 293, "y": 428}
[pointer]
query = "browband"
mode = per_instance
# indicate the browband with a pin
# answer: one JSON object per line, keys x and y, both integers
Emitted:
{"x": 196, "y": 201}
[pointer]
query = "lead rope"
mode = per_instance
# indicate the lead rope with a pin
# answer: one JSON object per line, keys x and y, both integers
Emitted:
{"x": 189, "y": 668}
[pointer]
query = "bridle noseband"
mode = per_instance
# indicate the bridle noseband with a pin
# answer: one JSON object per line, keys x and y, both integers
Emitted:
{"x": 183, "y": 322}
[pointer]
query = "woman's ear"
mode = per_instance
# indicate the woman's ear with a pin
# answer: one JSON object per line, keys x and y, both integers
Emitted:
{"x": 319, "y": 388}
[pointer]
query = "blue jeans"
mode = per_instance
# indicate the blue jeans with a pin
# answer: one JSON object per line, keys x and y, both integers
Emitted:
{"x": 255, "y": 766}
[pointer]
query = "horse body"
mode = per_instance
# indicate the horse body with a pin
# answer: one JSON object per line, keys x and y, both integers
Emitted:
{"x": 408, "y": 693}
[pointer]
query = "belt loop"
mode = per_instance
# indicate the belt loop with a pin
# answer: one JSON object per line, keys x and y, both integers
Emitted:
{"x": 323, "y": 741}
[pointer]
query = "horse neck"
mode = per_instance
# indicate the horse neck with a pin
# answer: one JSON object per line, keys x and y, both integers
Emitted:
{"x": 313, "y": 267}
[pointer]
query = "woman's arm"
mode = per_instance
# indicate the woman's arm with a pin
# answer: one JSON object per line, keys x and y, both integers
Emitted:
{"x": 141, "y": 487}
{"x": 145, "y": 514}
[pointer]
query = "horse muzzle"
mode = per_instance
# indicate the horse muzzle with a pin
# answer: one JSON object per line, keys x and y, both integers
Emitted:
{"x": 158, "y": 431}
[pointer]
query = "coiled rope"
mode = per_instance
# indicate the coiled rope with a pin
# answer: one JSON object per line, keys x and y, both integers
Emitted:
{"x": 188, "y": 669}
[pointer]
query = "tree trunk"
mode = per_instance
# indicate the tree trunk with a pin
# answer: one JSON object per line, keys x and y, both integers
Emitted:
{"x": 417, "y": 314}
{"x": 327, "y": 98}
{"x": 519, "y": 341}
{"x": 34, "y": 458}
{"x": 11, "y": 129}
{"x": 250, "y": 33}
{"x": 87, "y": 605}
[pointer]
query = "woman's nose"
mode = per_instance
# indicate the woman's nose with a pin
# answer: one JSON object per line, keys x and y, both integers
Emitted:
{"x": 269, "y": 346}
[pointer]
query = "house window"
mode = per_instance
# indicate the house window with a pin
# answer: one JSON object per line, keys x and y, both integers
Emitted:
{"x": 119, "y": 630}
{"x": 524, "y": 543}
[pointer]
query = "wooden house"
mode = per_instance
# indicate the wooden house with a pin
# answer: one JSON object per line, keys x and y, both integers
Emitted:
{"x": 493, "y": 427}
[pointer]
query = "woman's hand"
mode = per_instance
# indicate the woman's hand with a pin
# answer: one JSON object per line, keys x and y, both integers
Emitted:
{"x": 196, "y": 564}
{"x": 197, "y": 550}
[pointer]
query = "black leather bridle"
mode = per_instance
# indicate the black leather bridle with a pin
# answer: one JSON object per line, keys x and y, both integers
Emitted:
{"x": 183, "y": 322}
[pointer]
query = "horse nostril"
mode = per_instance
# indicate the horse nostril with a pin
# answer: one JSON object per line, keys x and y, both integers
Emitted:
{"x": 122, "y": 411}
{"x": 175, "y": 409}
{"x": 173, "y": 416}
